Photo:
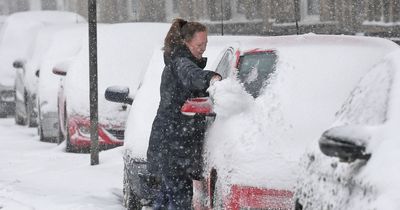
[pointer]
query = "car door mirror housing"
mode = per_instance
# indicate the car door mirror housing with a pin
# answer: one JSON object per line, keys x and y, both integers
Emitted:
{"x": 119, "y": 94}
{"x": 198, "y": 106}
{"x": 59, "y": 71}
{"x": 345, "y": 142}
{"x": 19, "y": 64}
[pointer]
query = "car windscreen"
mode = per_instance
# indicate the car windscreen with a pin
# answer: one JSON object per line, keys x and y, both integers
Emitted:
{"x": 254, "y": 70}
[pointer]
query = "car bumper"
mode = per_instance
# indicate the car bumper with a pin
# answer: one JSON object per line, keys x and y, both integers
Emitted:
{"x": 49, "y": 124}
{"x": 144, "y": 185}
{"x": 79, "y": 131}
{"x": 7, "y": 107}
{"x": 240, "y": 197}
{"x": 7, "y": 102}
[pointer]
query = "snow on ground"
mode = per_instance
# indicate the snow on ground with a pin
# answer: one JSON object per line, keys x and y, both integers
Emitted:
{"x": 41, "y": 176}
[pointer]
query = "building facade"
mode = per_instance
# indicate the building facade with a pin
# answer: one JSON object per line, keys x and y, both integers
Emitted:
{"x": 259, "y": 17}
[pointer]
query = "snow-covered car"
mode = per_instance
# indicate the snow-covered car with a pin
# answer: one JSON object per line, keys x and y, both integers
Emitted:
{"x": 124, "y": 51}
{"x": 30, "y": 30}
{"x": 64, "y": 45}
{"x": 252, "y": 149}
{"x": 353, "y": 165}
{"x": 138, "y": 185}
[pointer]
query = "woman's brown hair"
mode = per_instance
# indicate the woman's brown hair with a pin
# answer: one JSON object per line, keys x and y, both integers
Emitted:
{"x": 180, "y": 31}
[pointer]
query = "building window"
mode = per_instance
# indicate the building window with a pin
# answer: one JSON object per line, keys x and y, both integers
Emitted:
{"x": 313, "y": 7}
{"x": 310, "y": 10}
{"x": 49, "y": 5}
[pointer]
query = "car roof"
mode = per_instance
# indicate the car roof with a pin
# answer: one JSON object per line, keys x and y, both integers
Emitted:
{"x": 314, "y": 39}
{"x": 46, "y": 17}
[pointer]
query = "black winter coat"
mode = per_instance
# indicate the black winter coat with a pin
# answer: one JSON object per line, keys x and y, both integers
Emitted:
{"x": 176, "y": 140}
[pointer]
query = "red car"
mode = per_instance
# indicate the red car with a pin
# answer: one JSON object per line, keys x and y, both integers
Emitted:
{"x": 75, "y": 128}
{"x": 122, "y": 61}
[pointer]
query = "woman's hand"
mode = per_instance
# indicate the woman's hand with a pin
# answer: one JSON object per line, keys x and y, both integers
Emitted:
{"x": 214, "y": 79}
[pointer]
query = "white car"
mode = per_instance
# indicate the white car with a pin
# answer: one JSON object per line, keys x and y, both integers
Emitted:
{"x": 353, "y": 165}
{"x": 253, "y": 147}
{"x": 64, "y": 45}
{"x": 124, "y": 51}
{"x": 25, "y": 40}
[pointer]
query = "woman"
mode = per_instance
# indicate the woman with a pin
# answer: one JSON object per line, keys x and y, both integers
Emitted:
{"x": 174, "y": 152}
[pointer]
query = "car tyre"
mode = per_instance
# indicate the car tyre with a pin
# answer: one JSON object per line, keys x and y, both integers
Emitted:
{"x": 3, "y": 114}
{"x": 131, "y": 201}
{"x": 61, "y": 136}
{"x": 30, "y": 114}
{"x": 69, "y": 146}
{"x": 19, "y": 120}
{"x": 43, "y": 137}
{"x": 217, "y": 200}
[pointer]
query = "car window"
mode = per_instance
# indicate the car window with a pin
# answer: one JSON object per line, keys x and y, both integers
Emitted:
{"x": 254, "y": 70}
{"x": 368, "y": 102}
{"x": 225, "y": 65}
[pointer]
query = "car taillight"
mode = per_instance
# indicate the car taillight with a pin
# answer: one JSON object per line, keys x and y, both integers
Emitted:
{"x": 200, "y": 106}
{"x": 259, "y": 198}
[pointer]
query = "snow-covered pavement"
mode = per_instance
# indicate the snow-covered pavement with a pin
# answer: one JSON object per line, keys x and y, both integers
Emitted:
{"x": 41, "y": 176}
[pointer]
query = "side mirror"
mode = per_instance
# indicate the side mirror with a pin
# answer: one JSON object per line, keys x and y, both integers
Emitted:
{"x": 198, "y": 106}
{"x": 37, "y": 73}
{"x": 59, "y": 71}
{"x": 118, "y": 94}
{"x": 19, "y": 64}
{"x": 345, "y": 142}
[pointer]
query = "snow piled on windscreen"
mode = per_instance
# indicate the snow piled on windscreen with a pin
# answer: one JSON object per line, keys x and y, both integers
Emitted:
{"x": 124, "y": 51}
{"x": 259, "y": 142}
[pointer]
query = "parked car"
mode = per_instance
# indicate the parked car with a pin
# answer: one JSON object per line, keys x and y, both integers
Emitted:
{"x": 353, "y": 164}
{"x": 138, "y": 188}
{"x": 123, "y": 54}
{"x": 31, "y": 27}
{"x": 252, "y": 148}
{"x": 64, "y": 45}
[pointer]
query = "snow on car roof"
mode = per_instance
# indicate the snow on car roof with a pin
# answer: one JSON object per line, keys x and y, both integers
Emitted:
{"x": 46, "y": 17}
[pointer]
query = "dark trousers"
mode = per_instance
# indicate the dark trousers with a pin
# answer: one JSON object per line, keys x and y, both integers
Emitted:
{"x": 175, "y": 194}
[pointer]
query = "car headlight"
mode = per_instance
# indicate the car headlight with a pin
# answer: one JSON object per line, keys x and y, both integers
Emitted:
{"x": 84, "y": 131}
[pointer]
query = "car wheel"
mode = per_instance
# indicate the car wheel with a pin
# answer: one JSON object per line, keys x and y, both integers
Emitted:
{"x": 40, "y": 133}
{"x": 30, "y": 114}
{"x": 69, "y": 146}
{"x": 43, "y": 137}
{"x": 216, "y": 188}
{"x": 3, "y": 114}
{"x": 19, "y": 120}
{"x": 131, "y": 201}
{"x": 60, "y": 138}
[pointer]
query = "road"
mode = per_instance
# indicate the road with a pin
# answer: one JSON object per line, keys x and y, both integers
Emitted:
{"x": 42, "y": 176}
